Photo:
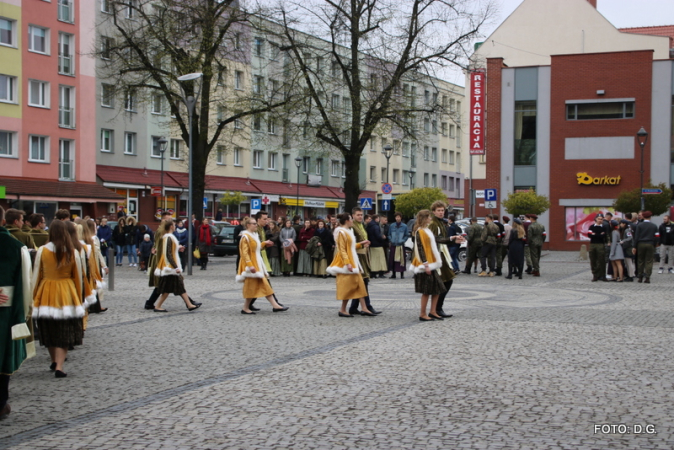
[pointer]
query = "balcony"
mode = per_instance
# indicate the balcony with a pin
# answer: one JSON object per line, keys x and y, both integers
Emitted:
{"x": 66, "y": 117}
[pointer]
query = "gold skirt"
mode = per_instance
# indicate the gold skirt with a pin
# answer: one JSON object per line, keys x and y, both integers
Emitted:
{"x": 256, "y": 288}
{"x": 350, "y": 286}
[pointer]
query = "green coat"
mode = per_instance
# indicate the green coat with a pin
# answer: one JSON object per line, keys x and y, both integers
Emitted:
{"x": 12, "y": 353}
{"x": 40, "y": 237}
{"x": 475, "y": 235}
{"x": 536, "y": 234}
{"x": 23, "y": 237}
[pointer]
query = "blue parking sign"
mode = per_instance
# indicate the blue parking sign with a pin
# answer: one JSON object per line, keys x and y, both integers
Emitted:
{"x": 490, "y": 195}
{"x": 255, "y": 203}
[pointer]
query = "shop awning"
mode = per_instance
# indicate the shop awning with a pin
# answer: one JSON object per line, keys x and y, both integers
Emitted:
{"x": 65, "y": 191}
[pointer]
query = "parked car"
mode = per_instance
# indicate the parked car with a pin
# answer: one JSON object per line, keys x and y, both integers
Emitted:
{"x": 219, "y": 224}
{"x": 225, "y": 244}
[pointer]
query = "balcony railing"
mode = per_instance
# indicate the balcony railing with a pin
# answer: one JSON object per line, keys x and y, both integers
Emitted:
{"x": 66, "y": 117}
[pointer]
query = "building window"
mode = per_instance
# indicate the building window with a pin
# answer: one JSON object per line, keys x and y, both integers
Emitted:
{"x": 426, "y": 153}
{"x": 238, "y": 124}
{"x": 8, "y": 144}
{"x": 384, "y": 141}
{"x": 444, "y": 155}
{"x": 427, "y": 125}
{"x": 131, "y": 8}
{"x": 39, "y": 149}
{"x": 434, "y": 180}
{"x": 157, "y": 100}
{"x": 271, "y": 126}
{"x": 7, "y": 32}
{"x": 425, "y": 180}
{"x": 373, "y": 144}
{"x": 434, "y": 127}
{"x": 427, "y": 98}
{"x": 220, "y": 155}
{"x": 458, "y": 162}
{"x": 66, "y": 60}
{"x": 451, "y": 131}
{"x": 66, "y": 160}
{"x": 396, "y": 176}
{"x": 7, "y": 89}
{"x": 274, "y": 52}
{"x": 38, "y": 39}
{"x": 384, "y": 175}
{"x": 406, "y": 149}
{"x": 65, "y": 12}
{"x": 335, "y": 69}
{"x": 343, "y": 169}
{"x": 273, "y": 157}
{"x": 257, "y": 122}
{"x": 458, "y": 137}
{"x": 306, "y": 162}
{"x": 451, "y": 156}
{"x": 599, "y": 110}
{"x": 238, "y": 80}
{"x": 373, "y": 174}
{"x": 105, "y": 6}
{"x": 406, "y": 177}
{"x": 67, "y": 106}
{"x": 443, "y": 128}
{"x": 434, "y": 154}
{"x": 525, "y": 133}
{"x": 443, "y": 181}
{"x": 413, "y": 97}
{"x": 257, "y": 159}
{"x": 38, "y": 93}
{"x": 106, "y": 140}
{"x": 106, "y": 47}
{"x": 237, "y": 41}
{"x": 129, "y": 143}
{"x": 237, "y": 156}
{"x": 319, "y": 166}
{"x": 156, "y": 148}
{"x": 175, "y": 148}
{"x": 130, "y": 101}
{"x": 258, "y": 84}
{"x": 334, "y": 168}
{"x": 258, "y": 45}
{"x": 107, "y": 95}
{"x": 335, "y": 101}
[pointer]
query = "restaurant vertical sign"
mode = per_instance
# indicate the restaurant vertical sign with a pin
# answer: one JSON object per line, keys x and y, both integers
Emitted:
{"x": 477, "y": 78}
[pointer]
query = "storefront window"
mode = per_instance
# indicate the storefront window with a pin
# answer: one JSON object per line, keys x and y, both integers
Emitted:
{"x": 579, "y": 220}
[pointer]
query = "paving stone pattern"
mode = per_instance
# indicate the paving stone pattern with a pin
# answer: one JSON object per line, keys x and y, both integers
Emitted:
{"x": 536, "y": 363}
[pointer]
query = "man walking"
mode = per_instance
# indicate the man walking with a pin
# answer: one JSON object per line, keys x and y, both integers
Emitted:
{"x": 455, "y": 233}
{"x": 527, "y": 250}
{"x": 645, "y": 238}
{"x": 37, "y": 231}
{"x": 536, "y": 238}
{"x": 489, "y": 240}
{"x": 666, "y": 244}
{"x": 474, "y": 244}
{"x": 363, "y": 257}
{"x": 14, "y": 219}
{"x": 499, "y": 244}
{"x": 439, "y": 230}
{"x": 597, "y": 235}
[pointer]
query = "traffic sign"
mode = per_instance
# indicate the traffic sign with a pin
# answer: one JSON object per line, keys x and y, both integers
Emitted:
{"x": 490, "y": 195}
{"x": 255, "y": 205}
{"x": 366, "y": 203}
{"x": 490, "y": 205}
{"x": 387, "y": 196}
{"x": 205, "y": 202}
{"x": 156, "y": 191}
{"x": 479, "y": 193}
{"x": 651, "y": 191}
{"x": 386, "y": 205}
{"x": 386, "y": 188}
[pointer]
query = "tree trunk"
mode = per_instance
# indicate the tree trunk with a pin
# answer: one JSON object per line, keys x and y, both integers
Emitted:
{"x": 199, "y": 163}
{"x": 351, "y": 183}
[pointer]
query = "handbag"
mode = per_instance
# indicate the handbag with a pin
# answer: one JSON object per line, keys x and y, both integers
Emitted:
{"x": 196, "y": 253}
{"x": 20, "y": 331}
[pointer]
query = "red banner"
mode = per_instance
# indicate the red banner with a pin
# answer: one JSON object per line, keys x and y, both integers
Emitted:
{"x": 477, "y": 112}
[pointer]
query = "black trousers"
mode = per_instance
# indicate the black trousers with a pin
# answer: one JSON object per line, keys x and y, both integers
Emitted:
{"x": 154, "y": 297}
{"x": 4, "y": 390}
{"x": 488, "y": 256}
{"x": 441, "y": 298}
{"x": 355, "y": 303}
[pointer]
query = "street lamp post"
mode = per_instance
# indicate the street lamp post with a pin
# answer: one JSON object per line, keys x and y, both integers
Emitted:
{"x": 642, "y": 137}
{"x": 162, "y": 148}
{"x": 298, "y": 162}
{"x": 190, "y": 102}
{"x": 412, "y": 172}
{"x": 388, "y": 151}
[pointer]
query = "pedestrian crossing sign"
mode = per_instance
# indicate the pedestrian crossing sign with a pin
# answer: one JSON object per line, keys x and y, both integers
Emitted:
{"x": 366, "y": 203}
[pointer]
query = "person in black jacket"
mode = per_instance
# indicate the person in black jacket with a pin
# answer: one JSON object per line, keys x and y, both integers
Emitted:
{"x": 119, "y": 238}
{"x": 598, "y": 239}
{"x": 378, "y": 265}
{"x": 645, "y": 238}
{"x": 145, "y": 250}
{"x": 455, "y": 247}
{"x": 666, "y": 244}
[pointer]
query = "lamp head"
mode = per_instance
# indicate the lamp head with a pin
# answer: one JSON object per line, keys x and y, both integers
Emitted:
{"x": 642, "y": 136}
{"x": 162, "y": 144}
{"x": 190, "y": 76}
{"x": 298, "y": 161}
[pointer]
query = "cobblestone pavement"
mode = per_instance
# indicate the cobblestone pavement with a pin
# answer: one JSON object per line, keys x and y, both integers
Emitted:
{"x": 539, "y": 363}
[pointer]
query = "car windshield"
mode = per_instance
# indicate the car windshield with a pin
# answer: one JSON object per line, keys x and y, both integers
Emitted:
{"x": 227, "y": 231}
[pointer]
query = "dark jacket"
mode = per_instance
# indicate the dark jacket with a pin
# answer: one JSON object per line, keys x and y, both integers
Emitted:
{"x": 646, "y": 233}
{"x": 145, "y": 248}
{"x": 130, "y": 232}
{"x": 327, "y": 240}
{"x": 454, "y": 230}
{"x": 305, "y": 235}
{"x": 667, "y": 234}
{"x": 104, "y": 233}
{"x": 374, "y": 234}
{"x": 181, "y": 234}
{"x": 119, "y": 236}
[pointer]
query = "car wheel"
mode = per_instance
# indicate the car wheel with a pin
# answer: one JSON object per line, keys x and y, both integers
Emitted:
{"x": 218, "y": 254}
{"x": 462, "y": 256}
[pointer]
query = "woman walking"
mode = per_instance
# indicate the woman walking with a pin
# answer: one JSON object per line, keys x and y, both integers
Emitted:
{"x": 97, "y": 265}
{"x": 517, "y": 240}
{"x": 287, "y": 239}
{"x": 616, "y": 256}
{"x": 119, "y": 238}
{"x": 327, "y": 242}
{"x": 58, "y": 309}
{"x": 346, "y": 267}
{"x": 169, "y": 270}
{"x": 273, "y": 251}
{"x": 627, "y": 243}
{"x": 251, "y": 271}
{"x": 205, "y": 241}
{"x": 131, "y": 231}
{"x": 425, "y": 265}
{"x": 304, "y": 259}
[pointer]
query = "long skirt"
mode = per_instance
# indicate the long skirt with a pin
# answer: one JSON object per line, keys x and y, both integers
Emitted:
{"x": 320, "y": 265}
{"x": 171, "y": 284}
{"x": 60, "y": 333}
{"x": 275, "y": 266}
{"x": 256, "y": 288}
{"x": 428, "y": 284}
{"x": 350, "y": 286}
{"x": 377, "y": 260}
{"x": 304, "y": 263}
{"x": 286, "y": 267}
{"x": 394, "y": 266}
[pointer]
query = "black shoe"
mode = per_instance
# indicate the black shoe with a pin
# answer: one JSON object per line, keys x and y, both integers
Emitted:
{"x": 354, "y": 312}
{"x": 149, "y": 306}
{"x": 402, "y": 276}
{"x": 369, "y": 314}
{"x": 435, "y": 317}
{"x": 52, "y": 366}
{"x": 160, "y": 310}
{"x": 193, "y": 307}
{"x": 629, "y": 279}
{"x": 341, "y": 314}
{"x": 285, "y": 308}
{"x": 443, "y": 314}
{"x": 392, "y": 277}
{"x": 4, "y": 412}
{"x": 467, "y": 272}
{"x": 60, "y": 374}
{"x": 421, "y": 319}
{"x": 375, "y": 312}
{"x": 252, "y": 308}
{"x": 529, "y": 269}
{"x": 509, "y": 277}
{"x": 647, "y": 280}
{"x": 244, "y": 312}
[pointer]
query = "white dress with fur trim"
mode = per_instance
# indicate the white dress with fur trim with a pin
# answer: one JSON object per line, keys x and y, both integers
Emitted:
{"x": 244, "y": 271}
{"x": 419, "y": 266}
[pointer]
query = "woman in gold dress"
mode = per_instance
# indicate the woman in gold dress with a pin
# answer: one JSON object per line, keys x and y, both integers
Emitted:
{"x": 346, "y": 267}
{"x": 251, "y": 271}
{"x": 425, "y": 265}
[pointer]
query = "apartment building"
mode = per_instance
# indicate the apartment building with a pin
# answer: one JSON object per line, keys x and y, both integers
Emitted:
{"x": 47, "y": 129}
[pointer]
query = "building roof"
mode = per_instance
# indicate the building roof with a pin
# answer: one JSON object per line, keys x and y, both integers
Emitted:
{"x": 127, "y": 175}
{"x": 659, "y": 30}
{"x": 57, "y": 189}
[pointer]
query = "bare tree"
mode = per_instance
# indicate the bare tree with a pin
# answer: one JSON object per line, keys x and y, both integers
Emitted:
{"x": 150, "y": 43}
{"x": 369, "y": 52}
